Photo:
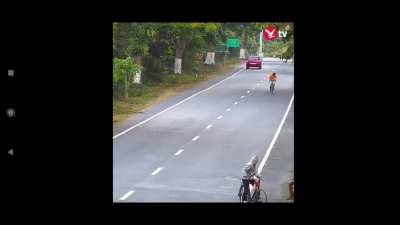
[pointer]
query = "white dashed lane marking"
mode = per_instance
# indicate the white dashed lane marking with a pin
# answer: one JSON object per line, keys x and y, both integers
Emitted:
{"x": 219, "y": 117}
{"x": 228, "y": 109}
{"x": 209, "y": 126}
{"x": 127, "y": 195}
{"x": 195, "y": 138}
{"x": 179, "y": 152}
{"x": 156, "y": 171}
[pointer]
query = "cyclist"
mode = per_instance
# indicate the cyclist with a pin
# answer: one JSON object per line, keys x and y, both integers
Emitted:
{"x": 250, "y": 173}
{"x": 272, "y": 79}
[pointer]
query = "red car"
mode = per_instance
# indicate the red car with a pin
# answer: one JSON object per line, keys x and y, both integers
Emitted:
{"x": 254, "y": 61}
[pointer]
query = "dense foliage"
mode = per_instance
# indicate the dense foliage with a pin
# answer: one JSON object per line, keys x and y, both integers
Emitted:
{"x": 152, "y": 48}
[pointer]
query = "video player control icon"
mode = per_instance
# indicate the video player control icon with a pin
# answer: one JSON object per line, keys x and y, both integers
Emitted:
{"x": 10, "y": 73}
{"x": 10, "y": 112}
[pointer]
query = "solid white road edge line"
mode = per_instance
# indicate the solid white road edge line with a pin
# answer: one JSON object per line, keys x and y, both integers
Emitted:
{"x": 271, "y": 145}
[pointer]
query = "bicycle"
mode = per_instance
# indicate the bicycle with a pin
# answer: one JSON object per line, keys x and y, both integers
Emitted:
{"x": 272, "y": 87}
{"x": 259, "y": 195}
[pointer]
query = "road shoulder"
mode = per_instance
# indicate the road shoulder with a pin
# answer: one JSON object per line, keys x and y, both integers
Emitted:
{"x": 279, "y": 168}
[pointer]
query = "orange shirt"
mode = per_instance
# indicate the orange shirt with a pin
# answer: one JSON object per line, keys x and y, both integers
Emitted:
{"x": 272, "y": 77}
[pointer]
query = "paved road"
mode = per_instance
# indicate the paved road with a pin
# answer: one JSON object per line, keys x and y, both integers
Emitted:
{"x": 279, "y": 167}
{"x": 194, "y": 152}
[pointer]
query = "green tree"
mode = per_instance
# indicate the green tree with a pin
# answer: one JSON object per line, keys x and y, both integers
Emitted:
{"x": 123, "y": 72}
{"x": 182, "y": 34}
{"x": 246, "y": 32}
{"x": 133, "y": 40}
{"x": 199, "y": 37}
{"x": 212, "y": 35}
{"x": 161, "y": 53}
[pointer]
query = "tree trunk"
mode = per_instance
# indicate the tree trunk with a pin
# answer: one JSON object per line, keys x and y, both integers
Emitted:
{"x": 242, "y": 53}
{"x": 126, "y": 87}
{"x": 178, "y": 66}
{"x": 210, "y": 58}
{"x": 137, "y": 59}
{"x": 136, "y": 78}
{"x": 244, "y": 45}
{"x": 180, "y": 48}
{"x": 244, "y": 38}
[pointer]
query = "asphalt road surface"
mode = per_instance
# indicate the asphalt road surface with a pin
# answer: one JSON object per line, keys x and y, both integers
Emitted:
{"x": 192, "y": 147}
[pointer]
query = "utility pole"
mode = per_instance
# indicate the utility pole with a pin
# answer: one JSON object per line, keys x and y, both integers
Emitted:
{"x": 260, "y": 53}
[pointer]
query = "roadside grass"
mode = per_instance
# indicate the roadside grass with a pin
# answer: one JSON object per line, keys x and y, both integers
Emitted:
{"x": 172, "y": 84}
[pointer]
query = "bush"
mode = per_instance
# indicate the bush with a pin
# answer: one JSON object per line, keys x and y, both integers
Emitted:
{"x": 123, "y": 71}
{"x": 153, "y": 68}
{"x": 122, "y": 68}
{"x": 137, "y": 89}
{"x": 191, "y": 62}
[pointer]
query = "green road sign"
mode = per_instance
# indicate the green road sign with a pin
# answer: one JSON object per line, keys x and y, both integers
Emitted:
{"x": 233, "y": 43}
